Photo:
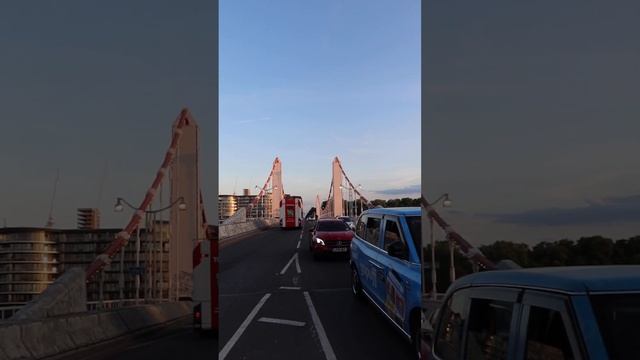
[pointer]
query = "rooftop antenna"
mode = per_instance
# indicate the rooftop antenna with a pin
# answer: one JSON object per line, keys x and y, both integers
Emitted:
{"x": 53, "y": 197}
{"x": 234, "y": 185}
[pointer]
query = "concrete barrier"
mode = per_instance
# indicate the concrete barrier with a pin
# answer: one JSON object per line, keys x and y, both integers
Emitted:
{"x": 46, "y": 337}
{"x": 35, "y": 339}
{"x": 112, "y": 324}
{"x": 229, "y": 230}
{"x": 66, "y": 295}
{"x": 85, "y": 329}
{"x": 11, "y": 346}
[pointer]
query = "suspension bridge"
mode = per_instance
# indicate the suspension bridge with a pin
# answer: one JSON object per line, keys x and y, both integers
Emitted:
{"x": 179, "y": 292}
{"x": 268, "y": 283}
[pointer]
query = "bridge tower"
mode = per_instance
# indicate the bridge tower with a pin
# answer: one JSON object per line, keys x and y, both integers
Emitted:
{"x": 277, "y": 189}
{"x": 336, "y": 171}
{"x": 318, "y": 204}
{"x": 186, "y": 225}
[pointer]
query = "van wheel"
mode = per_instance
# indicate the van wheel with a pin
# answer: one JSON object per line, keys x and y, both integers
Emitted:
{"x": 356, "y": 286}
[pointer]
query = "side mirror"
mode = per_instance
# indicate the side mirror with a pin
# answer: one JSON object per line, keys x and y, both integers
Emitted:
{"x": 398, "y": 250}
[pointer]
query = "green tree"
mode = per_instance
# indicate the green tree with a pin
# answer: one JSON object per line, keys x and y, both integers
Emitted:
{"x": 555, "y": 253}
{"x": 503, "y": 250}
{"x": 593, "y": 250}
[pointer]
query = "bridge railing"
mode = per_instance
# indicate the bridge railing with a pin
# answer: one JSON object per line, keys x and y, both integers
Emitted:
{"x": 8, "y": 311}
{"x": 93, "y": 306}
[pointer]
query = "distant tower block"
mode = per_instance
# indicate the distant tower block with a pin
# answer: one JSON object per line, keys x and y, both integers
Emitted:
{"x": 88, "y": 219}
{"x": 246, "y": 192}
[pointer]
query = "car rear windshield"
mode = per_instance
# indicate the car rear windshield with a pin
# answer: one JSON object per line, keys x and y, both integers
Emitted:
{"x": 337, "y": 225}
{"x": 618, "y": 317}
{"x": 415, "y": 224}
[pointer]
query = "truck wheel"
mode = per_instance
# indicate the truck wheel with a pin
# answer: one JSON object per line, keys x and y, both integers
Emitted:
{"x": 356, "y": 286}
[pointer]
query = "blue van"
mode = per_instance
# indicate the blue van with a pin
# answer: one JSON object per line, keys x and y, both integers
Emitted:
{"x": 578, "y": 312}
{"x": 385, "y": 265}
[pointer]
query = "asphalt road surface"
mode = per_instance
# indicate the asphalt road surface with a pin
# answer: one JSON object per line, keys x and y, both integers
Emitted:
{"x": 276, "y": 302}
{"x": 175, "y": 340}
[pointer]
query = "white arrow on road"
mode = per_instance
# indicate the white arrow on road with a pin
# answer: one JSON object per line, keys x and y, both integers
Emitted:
{"x": 294, "y": 257}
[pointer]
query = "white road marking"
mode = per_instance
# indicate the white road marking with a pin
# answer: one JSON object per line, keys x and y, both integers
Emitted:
{"x": 294, "y": 257}
{"x": 324, "y": 340}
{"x": 298, "y": 246}
{"x": 281, "y": 321}
{"x": 290, "y": 287}
{"x": 225, "y": 350}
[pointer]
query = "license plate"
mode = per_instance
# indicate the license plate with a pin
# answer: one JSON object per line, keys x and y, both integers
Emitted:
{"x": 341, "y": 249}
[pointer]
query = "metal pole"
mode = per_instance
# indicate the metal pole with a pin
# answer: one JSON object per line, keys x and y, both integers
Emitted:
{"x": 433, "y": 261}
{"x": 177, "y": 250}
{"x": 452, "y": 268}
{"x": 137, "y": 295}
{"x": 422, "y": 265}
{"x": 121, "y": 285}
{"x": 152, "y": 255}
{"x": 101, "y": 289}
{"x": 148, "y": 264}
{"x": 170, "y": 259}
{"x": 160, "y": 257}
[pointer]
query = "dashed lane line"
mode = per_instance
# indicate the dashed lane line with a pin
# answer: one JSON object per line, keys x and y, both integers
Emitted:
{"x": 225, "y": 350}
{"x": 281, "y": 321}
{"x": 293, "y": 258}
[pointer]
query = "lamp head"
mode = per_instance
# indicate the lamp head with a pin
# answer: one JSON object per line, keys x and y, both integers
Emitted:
{"x": 118, "y": 206}
{"x": 182, "y": 205}
{"x": 447, "y": 202}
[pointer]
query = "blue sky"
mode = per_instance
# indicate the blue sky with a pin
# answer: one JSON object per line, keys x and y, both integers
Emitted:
{"x": 307, "y": 81}
{"x": 89, "y": 83}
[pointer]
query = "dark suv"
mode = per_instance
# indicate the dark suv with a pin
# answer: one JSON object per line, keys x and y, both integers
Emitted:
{"x": 587, "y": 312}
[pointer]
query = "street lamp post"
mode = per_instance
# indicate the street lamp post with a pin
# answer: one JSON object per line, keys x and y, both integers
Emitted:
{"x": 446, "y": 203}
{"x": 359, "y": 186}
{"x": 119, "y": 208}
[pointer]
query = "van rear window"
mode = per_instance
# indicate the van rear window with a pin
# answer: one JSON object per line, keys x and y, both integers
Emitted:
{"x": 337, "y": 225}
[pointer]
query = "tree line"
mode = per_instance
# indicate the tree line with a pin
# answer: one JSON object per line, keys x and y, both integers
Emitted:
{"x": 590, "y": 250}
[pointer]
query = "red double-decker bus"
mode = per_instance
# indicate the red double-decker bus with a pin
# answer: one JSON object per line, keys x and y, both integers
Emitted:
{"x": 291, "y": 212}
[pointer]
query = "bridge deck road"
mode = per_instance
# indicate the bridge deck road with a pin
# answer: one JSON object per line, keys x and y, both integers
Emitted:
{"x": 277, "y": 302}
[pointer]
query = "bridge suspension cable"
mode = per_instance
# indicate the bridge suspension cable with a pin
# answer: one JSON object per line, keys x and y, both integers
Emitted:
{"x": 121, "y": 239}
{"x": 464, "y": 247}
{"x": 274, "y": 168}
